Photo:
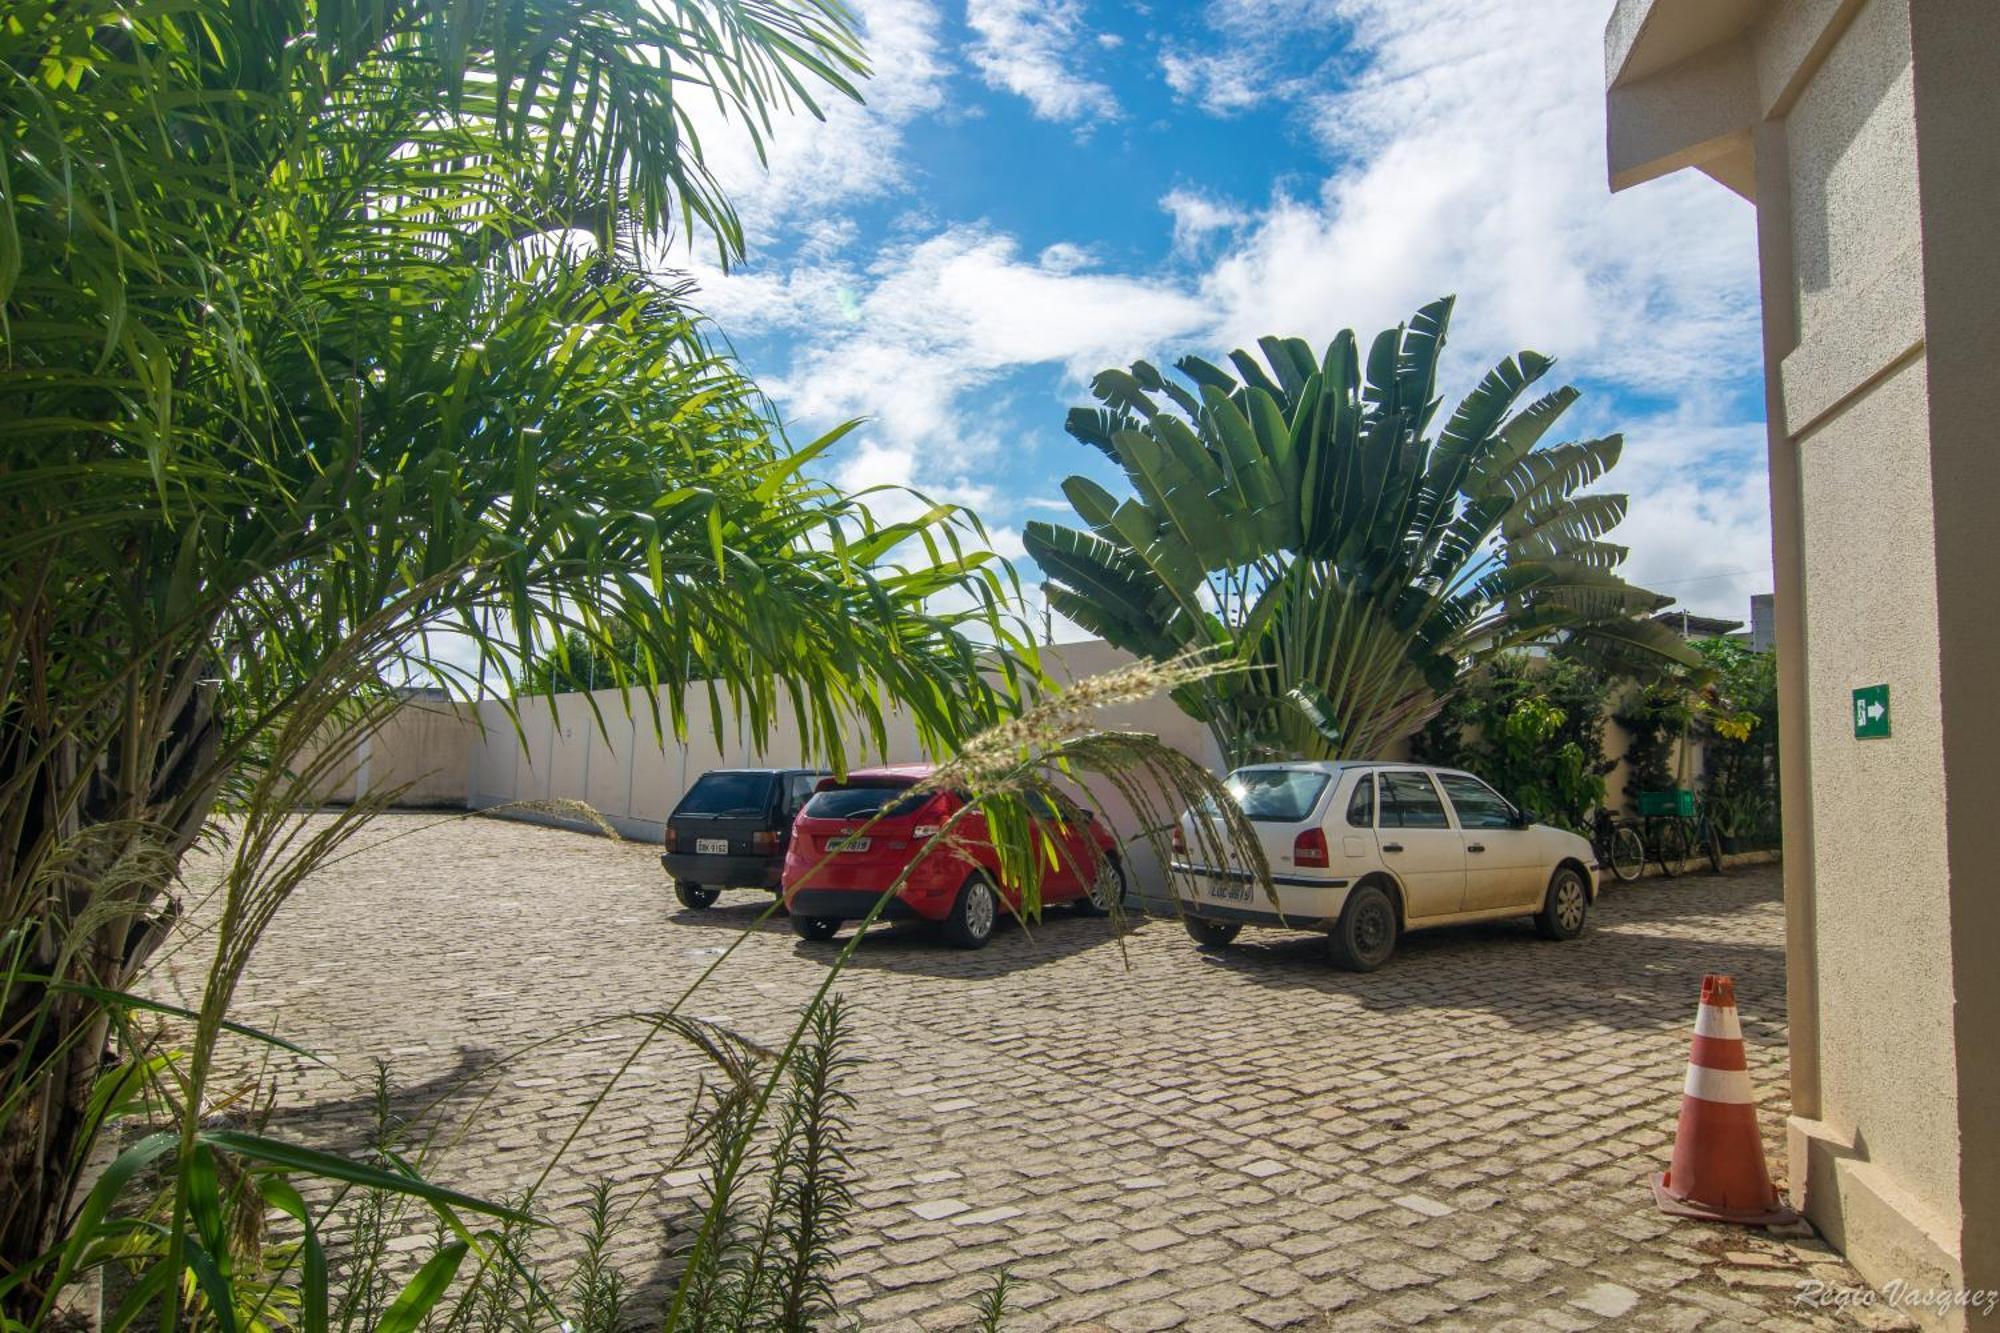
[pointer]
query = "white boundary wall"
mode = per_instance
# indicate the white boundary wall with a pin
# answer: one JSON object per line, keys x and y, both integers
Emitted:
{"x": 632, "y": 780}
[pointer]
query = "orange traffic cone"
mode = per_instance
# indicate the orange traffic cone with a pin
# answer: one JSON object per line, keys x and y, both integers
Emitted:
{"x": 1718, "y": 1172}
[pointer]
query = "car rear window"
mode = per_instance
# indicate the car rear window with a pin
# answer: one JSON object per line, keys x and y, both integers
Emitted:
{"x": 862, "y": 802}
{"x": 1278, "y": 795}
{"x": 722, "y": 794}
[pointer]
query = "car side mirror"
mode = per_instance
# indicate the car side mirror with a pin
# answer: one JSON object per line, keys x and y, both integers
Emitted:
{"x": 1522, "y": 819}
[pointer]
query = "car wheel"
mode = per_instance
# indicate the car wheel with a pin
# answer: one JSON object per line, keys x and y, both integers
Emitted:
{"x": 695, "y": 895}
{"x": 973, "y": 914}
{"x": 1106, "y": 889}
{"x": 1566, "y": 906}
{"x": 1365, "y": 935}
{"x": 1212, "y": 934}
{"x": 819, "y": 929}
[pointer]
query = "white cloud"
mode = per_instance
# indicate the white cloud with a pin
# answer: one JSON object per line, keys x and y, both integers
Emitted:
{"x": 1254, "y": 55}
{"x": 1699, "y": 524}
{"x": 1198, "y": 216}
{"x": 1223, "y": 83}
{"x": 1030, "y": 48}
{"x": 1473, "y": 163}
{"x": 945, "y": 316}
{"x": 908, "y": 341}
{"x": 1065, "y": 257}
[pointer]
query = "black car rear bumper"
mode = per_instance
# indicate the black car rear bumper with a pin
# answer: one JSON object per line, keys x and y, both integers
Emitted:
{"x": 724, "y": 872}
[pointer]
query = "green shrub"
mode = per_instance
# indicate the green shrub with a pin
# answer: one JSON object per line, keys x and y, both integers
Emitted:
{"x": 1533, "y": 728}
{"x": 1653, "y": 718}
{"x": 1738, "y": 728}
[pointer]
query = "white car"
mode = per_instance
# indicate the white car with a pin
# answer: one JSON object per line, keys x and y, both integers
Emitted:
{"x": 1365, "y": 851}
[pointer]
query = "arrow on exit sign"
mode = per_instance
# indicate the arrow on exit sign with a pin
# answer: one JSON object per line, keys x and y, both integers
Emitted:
{"x": 1871, "y": 712}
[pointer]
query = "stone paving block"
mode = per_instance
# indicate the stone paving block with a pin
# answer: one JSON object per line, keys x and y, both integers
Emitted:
{"x": 1607, "y": 1299}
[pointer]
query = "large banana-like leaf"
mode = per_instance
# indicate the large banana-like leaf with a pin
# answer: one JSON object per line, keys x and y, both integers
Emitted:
{"x": 1523, "y": 431}
{"x": 1561, "y": 528}
{"x": 1131, "y": 607}
{"x": 1356, "y": 563}
{"x": 1560, "y": 470}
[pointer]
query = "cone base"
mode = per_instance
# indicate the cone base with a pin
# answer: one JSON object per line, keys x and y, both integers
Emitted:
{"x": 1777, "y": 1215}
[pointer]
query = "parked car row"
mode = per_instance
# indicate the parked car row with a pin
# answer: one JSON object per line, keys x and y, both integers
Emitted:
{"x": 830, "y": 848}
{"x": 1363, "y": 852}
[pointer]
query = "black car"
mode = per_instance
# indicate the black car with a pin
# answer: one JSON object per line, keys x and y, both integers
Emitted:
{"x": 731, "y": 829}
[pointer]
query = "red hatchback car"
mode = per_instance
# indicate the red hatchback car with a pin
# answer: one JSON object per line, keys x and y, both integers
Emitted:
{"x": 838, "y": 864}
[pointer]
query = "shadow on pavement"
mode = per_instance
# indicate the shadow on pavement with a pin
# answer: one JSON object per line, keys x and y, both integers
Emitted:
{"x": 736, "y": 910}
{"x": 350, "y": 1125}
{"x": 1623, "y": 973}
{"x": 1689, "y": 896}
{"x": 915, "y": 948}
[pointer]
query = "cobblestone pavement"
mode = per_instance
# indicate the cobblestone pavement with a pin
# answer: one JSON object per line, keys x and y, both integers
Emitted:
{"x": 1150, "y": 1137}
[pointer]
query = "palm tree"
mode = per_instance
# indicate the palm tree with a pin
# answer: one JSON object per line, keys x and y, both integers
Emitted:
{"x": 1296, "y": 518}
{"x": 329, "y": 361}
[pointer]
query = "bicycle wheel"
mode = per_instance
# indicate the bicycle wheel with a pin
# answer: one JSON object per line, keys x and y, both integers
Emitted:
{"x": 1628, "y": 853}
{"x": 1711, "y": 846}
{"x": 1670, "y": 845}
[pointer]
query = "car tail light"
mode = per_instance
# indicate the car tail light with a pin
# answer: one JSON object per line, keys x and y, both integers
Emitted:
{"x": 1179, "y": 841}
{"x": 764, "y": 840}
{"x": 673, "y": 840}
{"x": 1309, "y": 849}
{"x": 938, "y": 807}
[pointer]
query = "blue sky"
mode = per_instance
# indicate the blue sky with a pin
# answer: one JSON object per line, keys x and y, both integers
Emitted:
{"x": 1033, "y": 192}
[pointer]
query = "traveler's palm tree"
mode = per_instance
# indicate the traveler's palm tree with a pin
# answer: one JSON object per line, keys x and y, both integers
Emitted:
{"x": 328, "y": 360}
{"x": 1296, "y": 517}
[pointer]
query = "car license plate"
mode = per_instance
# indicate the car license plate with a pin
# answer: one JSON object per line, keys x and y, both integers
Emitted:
{"x": 711, "y": 846}
{"x": 848, "y": 845}
{"x": 1226, "y": 893}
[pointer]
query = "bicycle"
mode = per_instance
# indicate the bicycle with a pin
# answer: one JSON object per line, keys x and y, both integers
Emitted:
{"x": 1677, "y": 828}
{"x": 1707, "y": 838}
{"x": 1619, "y": 845}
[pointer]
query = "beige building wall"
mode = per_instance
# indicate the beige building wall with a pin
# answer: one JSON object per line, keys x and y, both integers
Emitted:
{"x": 1864, "y": 132}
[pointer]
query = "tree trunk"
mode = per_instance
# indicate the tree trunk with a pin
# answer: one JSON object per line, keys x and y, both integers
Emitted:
{"x": 100, "y": 861}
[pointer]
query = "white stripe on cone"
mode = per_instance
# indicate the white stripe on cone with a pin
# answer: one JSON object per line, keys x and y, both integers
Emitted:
{"x": 1717, "y": 1021}
{"x": 1719, "y": 1085}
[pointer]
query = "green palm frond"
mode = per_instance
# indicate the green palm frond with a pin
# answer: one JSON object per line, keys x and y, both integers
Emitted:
{"x": 338, "y": 357}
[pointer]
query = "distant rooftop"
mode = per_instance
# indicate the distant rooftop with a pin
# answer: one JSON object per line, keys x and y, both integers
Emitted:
{"x": 1691, "y": 626}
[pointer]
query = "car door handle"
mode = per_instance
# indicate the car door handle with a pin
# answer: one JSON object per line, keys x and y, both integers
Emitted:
{"x": 1475, "y": 846}
{"x": 1392, "y": 846}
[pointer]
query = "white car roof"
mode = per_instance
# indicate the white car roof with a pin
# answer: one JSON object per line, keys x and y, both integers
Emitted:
{"x": 1337, "y": 766}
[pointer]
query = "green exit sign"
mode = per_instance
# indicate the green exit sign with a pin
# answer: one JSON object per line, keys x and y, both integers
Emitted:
{"x": 1871, "y": 712}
